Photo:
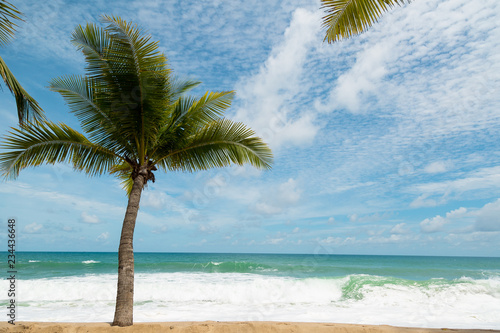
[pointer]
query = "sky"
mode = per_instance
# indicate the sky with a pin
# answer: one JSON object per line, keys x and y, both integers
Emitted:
{"x": 386, "y": 143}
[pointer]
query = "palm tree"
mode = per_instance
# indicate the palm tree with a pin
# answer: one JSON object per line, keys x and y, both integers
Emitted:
{"x": 27, "y": 107}
{"x": 346, "y": 18}
{"x": 137, "y": 119}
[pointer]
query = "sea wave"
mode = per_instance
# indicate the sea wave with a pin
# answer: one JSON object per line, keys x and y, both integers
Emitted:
{"x": 354, "y": 298}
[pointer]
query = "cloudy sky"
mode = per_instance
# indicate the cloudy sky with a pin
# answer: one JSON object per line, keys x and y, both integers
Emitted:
{"x": 387, "y": 143}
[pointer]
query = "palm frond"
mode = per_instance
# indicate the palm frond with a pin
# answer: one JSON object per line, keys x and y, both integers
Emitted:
{"x": 189, "y": 112}
{"x": 144, "y": 78}
{"x": 130, "y": 79}
{"x": 101, "y": 125}
{"x": 27, "y": 108}
{"x": 210, "y": 106}
{"x": 8, "y": 13}
{"x": 94, "y": 41}
{"x": 132, "y": 47}
{"x": 45, "y": 142}
{"x": 346, "y": 18}
{"x": 78, "y": 93}
{"x": 178, "y": 87}
{"x": 113, "y": 95}
{"x": 216, "y": 145}
{"x": 123, "y": 171}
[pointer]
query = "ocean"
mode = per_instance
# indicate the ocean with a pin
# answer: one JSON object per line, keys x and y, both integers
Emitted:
{"x": 416, "y": 291}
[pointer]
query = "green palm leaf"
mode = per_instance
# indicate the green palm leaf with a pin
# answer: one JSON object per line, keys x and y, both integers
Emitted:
{"x": 346, "y": 18}
{"x": 27, "y": 108}
{"x": 45, "y": 142}
{"x": 210, "y": 106}
{"x": 189, "y": 114}
{"x": 216, "y": 145}
{"x": 133, "y": 75}
{"x": 123, "y": 171}
{"x": 189, "y": 110}
{"x": 94, "y": 41}
{"x": 177, "y": 87}
{"x": 102, "y": 126}
{"x": 8, "y": 13}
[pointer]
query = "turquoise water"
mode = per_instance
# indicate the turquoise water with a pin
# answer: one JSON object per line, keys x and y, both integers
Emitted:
{"x": 33, "y": 265}
{"x": 456, "y": 292}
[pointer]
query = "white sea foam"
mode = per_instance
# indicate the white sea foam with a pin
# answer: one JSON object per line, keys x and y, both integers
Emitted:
{"x": 234, "y": 296}
{"x": 90, "y": 262}
{"x": 33, "y": 260}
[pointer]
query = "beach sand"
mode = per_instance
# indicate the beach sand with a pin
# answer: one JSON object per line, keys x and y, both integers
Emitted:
{"x": 220, "y": 327}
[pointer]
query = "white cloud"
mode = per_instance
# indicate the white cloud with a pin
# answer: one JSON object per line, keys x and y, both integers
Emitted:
{"x": 477, "y": 239}
{"x": 392, "y": 239}
{"x": 268, "y": 99}
{"x": 437, "y": 167}
{"x": 207, "y": 228}
{"x": 434, "y": 224}
{"x": 33, "y": 228}
{"x": 422, "y": 201}
{"x": 368, "y": 217}
{"x": 457, "y": 213}
{"x": 161, "y": 201}
{"x": 274, "y": 241}
{"x": 265, "y": 208}
{"x": 277, "y": 199}
{"x": 160, "y": 230}
{"x": 154, "y": 199}
{"x": 87, "y": 218}
{"x": 289, "y": 191}
{"x": 374, "y": 240}
{"x": 337, "y": 241}
{"x": 236, "y": 185}
{"x": 52, "y": 197}
{"x": 437, "y": 223}
{"x": 104, "y": 236}
{"x": 49, "y": 31}
{"x": 480, "y": 179}
{"x": 488, "y": 217}
{"x": 416, "y": 99}
{"x": 363, "y": 79}
{"x": 400, "y": 229}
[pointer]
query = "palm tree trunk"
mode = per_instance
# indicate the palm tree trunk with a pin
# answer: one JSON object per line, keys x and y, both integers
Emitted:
{"x": 124, "y": 315}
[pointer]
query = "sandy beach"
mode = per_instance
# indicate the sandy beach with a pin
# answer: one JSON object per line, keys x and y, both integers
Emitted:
{"x": 220, "y": 327}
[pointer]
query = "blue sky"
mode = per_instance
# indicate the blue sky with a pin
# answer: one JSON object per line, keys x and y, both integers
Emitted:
{"x": 386, "y": 143}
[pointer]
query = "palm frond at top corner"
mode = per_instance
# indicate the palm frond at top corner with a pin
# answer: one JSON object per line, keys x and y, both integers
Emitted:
{"x": 346, "y": 18}
{"x": 8, "y": 15}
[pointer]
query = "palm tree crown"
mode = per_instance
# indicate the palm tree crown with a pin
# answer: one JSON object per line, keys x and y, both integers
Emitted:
{"x": 346, "y": 18}
{"x": 137, "y": 119}
{"x": 134, "y": 114}
{"x": 27, "y": 107}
